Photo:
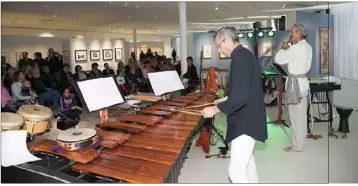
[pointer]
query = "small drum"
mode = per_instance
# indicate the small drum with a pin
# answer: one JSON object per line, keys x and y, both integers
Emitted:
{"x": 11, "y": 121}
{"x": 37, "y": 118}
{"x": 75, "y": 139}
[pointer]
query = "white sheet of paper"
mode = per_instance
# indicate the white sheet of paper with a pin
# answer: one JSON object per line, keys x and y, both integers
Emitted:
{"x": 165, "y": 82}
{"x": 100, "y": 93}
{"x": 14, "y": 148}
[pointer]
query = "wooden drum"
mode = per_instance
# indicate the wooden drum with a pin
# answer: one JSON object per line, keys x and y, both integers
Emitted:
{"x": 75, "y": 139}
{"x": 36, "y": 117}
{"x": 11, "y": 121}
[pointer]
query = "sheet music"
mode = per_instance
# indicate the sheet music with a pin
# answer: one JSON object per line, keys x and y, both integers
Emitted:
{"x": 14, "y": 148}
{"x": 100, "y": 93}
{"x": 164, "y": 82}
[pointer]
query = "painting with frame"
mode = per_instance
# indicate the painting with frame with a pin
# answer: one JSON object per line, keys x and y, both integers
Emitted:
{"x": 107, "y": 54}
{"x": 324, "y": 50}
{"x": 95, "y": 55}
{"x": 81, "y": 55}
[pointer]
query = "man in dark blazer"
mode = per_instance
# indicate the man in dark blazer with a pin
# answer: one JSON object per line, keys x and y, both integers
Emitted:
{"x": 244, "y": 106}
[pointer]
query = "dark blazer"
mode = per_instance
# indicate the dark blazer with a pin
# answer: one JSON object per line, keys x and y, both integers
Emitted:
{"x": 245, "y": 107}
{"x": 191, "y": 74}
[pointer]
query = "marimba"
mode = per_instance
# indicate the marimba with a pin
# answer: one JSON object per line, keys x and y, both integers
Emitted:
{"x": 146, "y": 147}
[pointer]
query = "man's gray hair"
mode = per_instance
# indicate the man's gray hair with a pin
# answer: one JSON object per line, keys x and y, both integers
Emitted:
{"x": 226, "y": 32}
{"x": 301, "y": 29}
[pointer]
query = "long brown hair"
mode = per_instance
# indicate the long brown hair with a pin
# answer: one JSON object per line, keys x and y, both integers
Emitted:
{"x": 16, "y": 76}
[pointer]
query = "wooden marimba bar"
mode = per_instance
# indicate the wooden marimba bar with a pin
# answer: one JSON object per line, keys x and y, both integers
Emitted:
{"x": 152, "y": 149}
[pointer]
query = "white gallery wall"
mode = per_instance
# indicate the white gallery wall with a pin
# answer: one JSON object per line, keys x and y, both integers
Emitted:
{"x": 11, "y": 44}
{"x": 94, "y": 44}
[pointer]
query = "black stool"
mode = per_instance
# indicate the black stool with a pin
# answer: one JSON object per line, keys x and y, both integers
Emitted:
{"x": 344, "y": 113}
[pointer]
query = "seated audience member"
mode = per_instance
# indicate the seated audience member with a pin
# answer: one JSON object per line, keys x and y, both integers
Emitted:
{"x": 6, "y": 100}
{"x": 95, "y": 72}
{"x": 69, "y": 107}
{"x": 49, "y": 78}
{"x": 120, "y": 67}
{"x": 191, "y": 75}
{"x": 146, "y": 83}
{"x": 122, "y": 82}
{"x": 66, "y": 78}
{"x": 27, "y": 91}
{"x": 134, "y": 76}
{"x": 39, "y": 60}
{"x": 107, "y": 71}
{"x": 4, "y": 66}
{"x": 17, "y": 98}
{"x": 155, "y": 64}
{"x": 79, "y": 75}
{"x": 9, "y": 78}
{"x": 44, "y": 90}
{"x": 25, "y": 61}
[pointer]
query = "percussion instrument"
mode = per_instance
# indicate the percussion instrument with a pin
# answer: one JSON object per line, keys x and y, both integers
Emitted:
{"x": 152, "y": 149}
{"x": 77, "y": 138}
{"x": 11, "y": 121}
{"x": 37, "y": 118}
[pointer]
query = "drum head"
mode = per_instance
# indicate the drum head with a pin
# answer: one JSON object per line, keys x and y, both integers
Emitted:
{"x": 35, "y": 112}
{"x": 76, "y": 135}
{"x": 11, "y": 120}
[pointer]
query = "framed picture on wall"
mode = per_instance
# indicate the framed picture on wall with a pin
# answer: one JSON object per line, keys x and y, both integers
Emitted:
{"x": 266, "y": 49}
{"x": 324, "y": 50}
{"x": 107, "y": 54}
{"x": 206, "y": 52}
{"x": 66, "y": 56}
{"x": 81, "y": 55}
{"x": 223, "y": 56}
{"x": 18, "y": 56}
{"x": 118, "y": 54}
{"x": 95, "y": 55}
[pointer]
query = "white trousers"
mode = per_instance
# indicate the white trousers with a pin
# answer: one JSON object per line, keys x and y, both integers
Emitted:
{"x": 242, "y": 168}
{"x": 298, "y": 119}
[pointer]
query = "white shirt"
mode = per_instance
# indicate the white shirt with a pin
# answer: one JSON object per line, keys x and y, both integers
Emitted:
{"x": 299, "y": 59}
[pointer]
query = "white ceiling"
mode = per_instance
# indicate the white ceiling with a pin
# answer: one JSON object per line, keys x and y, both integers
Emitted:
{"x": 158, "y": 18}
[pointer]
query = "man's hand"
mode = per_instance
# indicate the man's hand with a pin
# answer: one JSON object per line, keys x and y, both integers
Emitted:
{"x": 209, "y": 112}
{"x": 285, "y": 45}
{"x": 220, "y": 100}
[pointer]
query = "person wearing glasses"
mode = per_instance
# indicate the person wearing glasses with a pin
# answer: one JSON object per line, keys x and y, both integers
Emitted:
{"x": 244, "y": 106}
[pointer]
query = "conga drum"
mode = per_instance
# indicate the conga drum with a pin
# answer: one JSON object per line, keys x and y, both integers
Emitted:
{"x": 37, "y": 118}
{"x": 11, "y": 121}
{"x": 75, "y": 139}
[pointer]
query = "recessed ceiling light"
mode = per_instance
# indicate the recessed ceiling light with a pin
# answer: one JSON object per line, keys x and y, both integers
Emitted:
{"x": 55, "y": 15}
{"x": 121, "y": 28}
{"x": 17, "y": 21}
{"x": 158, "y": 30}
{"x": 216, "y": 8}
{"x": 129, "y": 17}
{"x": 46, "y": 6}
{"x": 110, "y": 3}
{"x": 137, "y": 7}
{"x": 284, "y": 5}
{"x": 74, "y": 22}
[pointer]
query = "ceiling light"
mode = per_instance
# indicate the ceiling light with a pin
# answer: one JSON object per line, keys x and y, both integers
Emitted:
{"x": 46, "y": 6}
{"x": 110, "y": 3}
{"x": 55, "y": 15}
{"x": 79, "y": 36}
{"x": 74, "y": 22}
{"x": 284, "y": 5}
{"x": 121, "y": 28}
{"x": 241, "y": 35}
{"x": 137, "y": 7}
{"x": 158, "y": 30}
{"x": 17, "y": 21}
{"x": 129, "y": 17}
{"x": 46, "y": 34}
{"x": 216, "y": 8}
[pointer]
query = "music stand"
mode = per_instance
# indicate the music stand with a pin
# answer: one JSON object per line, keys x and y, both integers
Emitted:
{"x": 280, "y": 95}
{"x": 98, "y": 94}
{"x": 165, "y": 82}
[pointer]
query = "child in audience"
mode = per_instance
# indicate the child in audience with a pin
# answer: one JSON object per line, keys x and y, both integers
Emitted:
{"x": 28, "y": 91}
{"x": 69, "y": 107}
{"x": 121, "y": 80}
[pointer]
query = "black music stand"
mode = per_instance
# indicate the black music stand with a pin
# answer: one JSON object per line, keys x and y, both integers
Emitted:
{"x": 282, "y": 73}
{"x": 99, "y": 90}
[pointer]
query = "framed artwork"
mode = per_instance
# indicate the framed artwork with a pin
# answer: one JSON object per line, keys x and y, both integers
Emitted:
{"x": 81, "y": 55}
{"x": 95, "y": 55}
{"x": 107, "y": 54}
{"x": 118, "y": 54}
{"x": 66, "y": 56}
{"x": 206, "y": 51}
{"x": 18, "y": 56}
{"x": 223, "y": 56}
{"x": 324, "y": 50}
{"x": 266, "y": 49}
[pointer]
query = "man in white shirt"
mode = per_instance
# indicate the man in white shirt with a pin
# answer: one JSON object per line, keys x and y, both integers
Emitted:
{"x": 299, "y": 59}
